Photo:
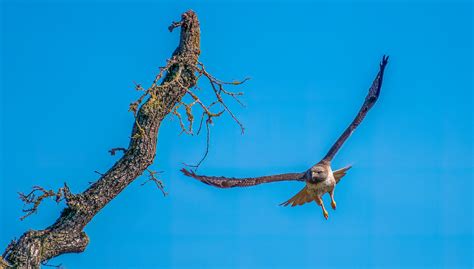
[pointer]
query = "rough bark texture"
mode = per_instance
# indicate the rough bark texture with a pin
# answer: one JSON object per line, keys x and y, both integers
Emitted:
{"x": 66, "y": 235}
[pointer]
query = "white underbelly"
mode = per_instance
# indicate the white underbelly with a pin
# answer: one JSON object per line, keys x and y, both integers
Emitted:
{"x": 320, "y": 188}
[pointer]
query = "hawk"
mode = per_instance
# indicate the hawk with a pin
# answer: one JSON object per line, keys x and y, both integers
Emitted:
{"x": 320, "y": 178}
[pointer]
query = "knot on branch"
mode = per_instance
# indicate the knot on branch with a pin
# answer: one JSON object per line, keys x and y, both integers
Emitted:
{"x": 34, "y": 198}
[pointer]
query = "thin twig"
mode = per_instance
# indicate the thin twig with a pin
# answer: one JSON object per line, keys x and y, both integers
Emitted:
{"x": 208, "y": 135}
{"x": 218, "y": 88}
{"x": 158, "y": 182}
{"x": 35, "y": 201}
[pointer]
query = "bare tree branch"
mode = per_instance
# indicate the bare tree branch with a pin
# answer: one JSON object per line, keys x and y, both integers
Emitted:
{"x": 66, "y": 234}
{"x": 227, "y": 182}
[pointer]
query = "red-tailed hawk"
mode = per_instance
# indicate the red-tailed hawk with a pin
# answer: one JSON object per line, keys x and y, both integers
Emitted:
{"x": 320, "y": 179}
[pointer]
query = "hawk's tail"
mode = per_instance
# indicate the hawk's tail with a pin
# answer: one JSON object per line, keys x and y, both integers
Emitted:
{"x": 303, "y": 196}
{"x": 300, "y": 198}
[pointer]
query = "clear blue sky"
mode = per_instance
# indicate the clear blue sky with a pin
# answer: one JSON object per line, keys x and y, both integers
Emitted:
{"x": 67, "y": 72}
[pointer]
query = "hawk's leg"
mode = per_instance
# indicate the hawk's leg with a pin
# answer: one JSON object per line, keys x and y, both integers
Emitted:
{"x": 319, "y": 201}
{"x": 333, "y": 202}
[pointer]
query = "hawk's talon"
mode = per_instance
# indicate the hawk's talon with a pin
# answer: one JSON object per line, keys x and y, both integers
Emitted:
{"x": 326, "y": 215}
{"x": 333, "y": 205}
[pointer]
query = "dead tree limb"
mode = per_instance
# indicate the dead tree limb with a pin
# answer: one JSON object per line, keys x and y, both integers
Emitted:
{"x": 66, "y": 234}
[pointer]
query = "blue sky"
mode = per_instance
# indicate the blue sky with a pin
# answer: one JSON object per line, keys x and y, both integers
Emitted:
{"x": 67, "y": 73}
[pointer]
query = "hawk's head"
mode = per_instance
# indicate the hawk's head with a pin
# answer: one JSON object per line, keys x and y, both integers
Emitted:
{"x": 318, "y": 173}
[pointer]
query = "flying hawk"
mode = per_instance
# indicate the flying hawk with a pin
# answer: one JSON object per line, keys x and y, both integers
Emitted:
{"x": 320, "y": 179}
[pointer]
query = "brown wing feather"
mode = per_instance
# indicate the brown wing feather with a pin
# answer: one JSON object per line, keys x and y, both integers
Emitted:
{"x": 370, "y": 99}
{"x": 230, "y": 182}
{"x": 302, "y": 197}
{"x": 338, "y": 174}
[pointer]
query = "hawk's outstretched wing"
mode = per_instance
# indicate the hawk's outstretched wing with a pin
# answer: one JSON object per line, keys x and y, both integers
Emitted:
{"x": 370, "y": 99}
{"x": 230, "y": 182}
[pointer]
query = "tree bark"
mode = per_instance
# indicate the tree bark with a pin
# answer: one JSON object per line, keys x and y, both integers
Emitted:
{"x": 66, "y": 235}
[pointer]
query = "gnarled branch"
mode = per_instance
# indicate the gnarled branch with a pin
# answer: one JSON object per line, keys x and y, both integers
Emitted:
{"x": 66, "y": 234}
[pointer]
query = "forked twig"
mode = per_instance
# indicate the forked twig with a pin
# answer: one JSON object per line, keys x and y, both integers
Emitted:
{"x": 208, "y": 138}
{"x": 35, "y": 200}
{"x": 152, "y": 177}
{"x": 219, "y": 90}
